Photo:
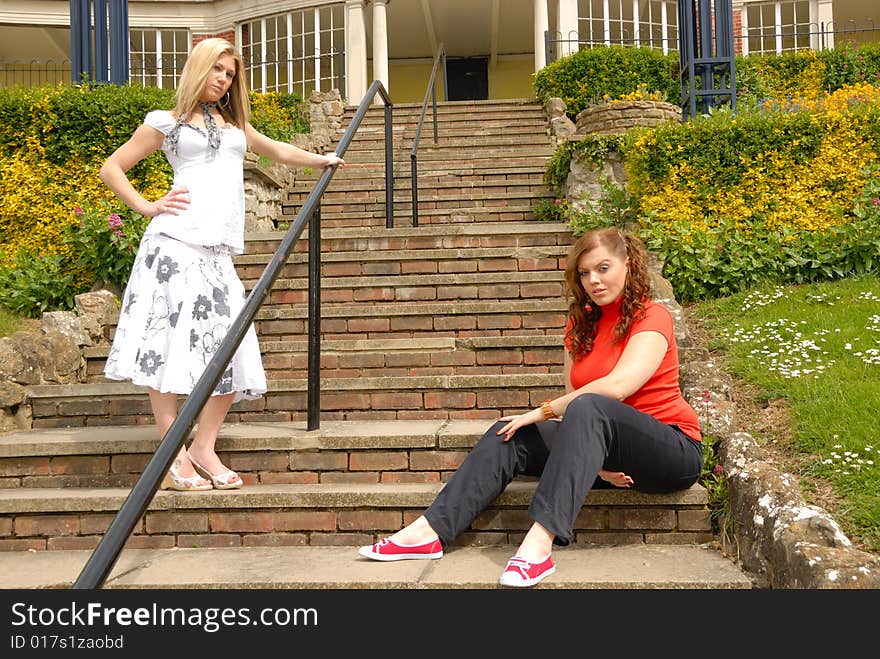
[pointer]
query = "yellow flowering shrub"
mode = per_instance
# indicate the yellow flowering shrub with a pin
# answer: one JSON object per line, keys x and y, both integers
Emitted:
{"x": 799, "y": 170}
{"x": 641, "y": 93}
{"x": 53, "y": 141}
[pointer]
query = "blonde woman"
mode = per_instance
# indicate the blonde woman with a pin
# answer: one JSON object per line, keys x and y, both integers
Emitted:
{"x": 184, "y": 293}
{"x": 621, "y": 423}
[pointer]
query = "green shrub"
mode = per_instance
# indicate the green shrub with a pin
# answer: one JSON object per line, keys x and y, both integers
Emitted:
{"x": 105, "y": 242}
{"x": 727, "y": 258}
{"x": 33, "y": 283}
{"x": 805, "y": 73}
{"x": 587, "y": 76}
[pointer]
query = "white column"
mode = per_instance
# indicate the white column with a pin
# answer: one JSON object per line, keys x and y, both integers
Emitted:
{"x": 567, "y": 26}
{"x": 824, "y": 19}
{"x": 380, "y": 44}
{"x": 541, "y": 26}
{"x": 744, "y": 29}
{"x": 778, "y": 27}
{"x": 637, "y": 37}
{"x": 355, "y": 52}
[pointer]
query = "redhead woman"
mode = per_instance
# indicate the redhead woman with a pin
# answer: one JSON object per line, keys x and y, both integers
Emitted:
{"x": 184, "y": 293}
{"x": 622, "y": 421}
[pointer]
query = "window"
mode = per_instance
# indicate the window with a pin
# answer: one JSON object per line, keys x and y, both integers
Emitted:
{"x": 156, "y": 57}
{"x": 296, "y": 52}
{"x": 651, "y": 23}
{"x": 774, "y": 27}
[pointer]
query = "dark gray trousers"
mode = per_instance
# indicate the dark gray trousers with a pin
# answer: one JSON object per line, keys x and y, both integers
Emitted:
{"x": 596, "y": 432}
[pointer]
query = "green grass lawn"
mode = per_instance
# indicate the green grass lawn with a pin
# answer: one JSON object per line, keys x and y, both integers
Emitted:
{"x": 817, "y": 347}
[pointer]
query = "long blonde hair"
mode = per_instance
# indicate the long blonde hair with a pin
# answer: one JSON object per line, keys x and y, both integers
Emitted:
{"x": 235, "y": 106}
{"x": 636, "y": 291}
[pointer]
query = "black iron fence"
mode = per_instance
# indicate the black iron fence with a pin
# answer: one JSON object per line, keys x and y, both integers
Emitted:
{"x": 815, "y": 36}
{"x": 300, "y": 75}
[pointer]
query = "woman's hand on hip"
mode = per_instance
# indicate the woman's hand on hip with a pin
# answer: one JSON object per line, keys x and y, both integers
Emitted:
{"x": 174, "y": 201}
{"x": 517, "y": 421}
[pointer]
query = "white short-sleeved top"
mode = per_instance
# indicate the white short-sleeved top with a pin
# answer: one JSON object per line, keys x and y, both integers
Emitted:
{"x": 215, "y": 180}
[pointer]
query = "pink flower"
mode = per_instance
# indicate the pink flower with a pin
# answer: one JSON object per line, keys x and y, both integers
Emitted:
{"x": 79, "y": 211}
{"x": 875, "y": 200}
{"x": 718, "y": 470}
{"x": 707, "y": 395}
{"x": 114, "y": 222}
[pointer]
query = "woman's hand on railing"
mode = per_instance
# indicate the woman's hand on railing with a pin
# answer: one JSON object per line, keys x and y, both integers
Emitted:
{"x": 333, "y": 159}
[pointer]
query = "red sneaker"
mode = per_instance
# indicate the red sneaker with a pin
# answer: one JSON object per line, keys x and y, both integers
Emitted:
{"x": 388, "y": 550}
{"x": 520, "y": 573}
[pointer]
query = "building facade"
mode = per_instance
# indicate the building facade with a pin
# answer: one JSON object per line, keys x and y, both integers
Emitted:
{"x": 493, "y": 47}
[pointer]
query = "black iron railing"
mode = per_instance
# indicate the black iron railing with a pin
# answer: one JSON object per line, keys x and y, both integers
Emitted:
{"x": 133, "y": 508}
{"x": 431, "y": 92}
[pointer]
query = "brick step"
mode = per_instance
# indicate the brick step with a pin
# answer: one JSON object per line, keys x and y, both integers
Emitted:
{"x": 360, "y": 398}
{"x": 476, "y": 195}
{"x": 420, "y": 287}
{"x": 442, "y": 153}
{"x": 451, "y": 171}
{"x": 462, "y": 569}
{"x": 409, "y": 239}
{"x": 264, "y": 453}
{"x": 446, "y": 116}
{"x": 328, "y": 486}
{"x": 483, "y": 140}
{"x": 407, "y": 130}
{"x": 516, "y": 213}
{"x": 323, "y": 514}
{"x": 436, "y": 207}
{"x": 411, "y": 262}
{"x": 396, "y": 357}
{"x": 433, "y": 185}
{"x": 458, "y": 318}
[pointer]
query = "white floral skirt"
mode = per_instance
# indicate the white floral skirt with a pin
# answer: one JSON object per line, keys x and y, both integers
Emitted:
{"x": 177, "y": 308}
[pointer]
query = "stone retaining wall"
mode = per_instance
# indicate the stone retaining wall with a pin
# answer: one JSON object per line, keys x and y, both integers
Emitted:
{"x": 617, "y": 117}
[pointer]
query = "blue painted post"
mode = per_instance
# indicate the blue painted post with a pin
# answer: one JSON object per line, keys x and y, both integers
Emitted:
{"x": 101, "y": 73}
{"x": 80, "y": 41}
{"x": 119, "y": 45}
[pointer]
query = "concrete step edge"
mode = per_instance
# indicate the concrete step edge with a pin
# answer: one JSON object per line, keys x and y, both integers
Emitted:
{"x": 319, "y": 495}
{"x": 476, "y": 229}
{"x": 331, "y": 435}
{"x": 649, "y": 566}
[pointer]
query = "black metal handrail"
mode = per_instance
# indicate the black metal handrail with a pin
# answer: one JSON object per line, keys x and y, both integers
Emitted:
{"x": 432, "y": 91}
{"x": 135, "y": 505}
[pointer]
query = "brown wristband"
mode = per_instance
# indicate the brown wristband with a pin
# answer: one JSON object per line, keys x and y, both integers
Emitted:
{"x": 548, "y": 411}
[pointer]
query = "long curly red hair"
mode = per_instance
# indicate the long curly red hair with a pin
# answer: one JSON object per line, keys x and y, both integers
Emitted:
{"x": 637, "y": 289}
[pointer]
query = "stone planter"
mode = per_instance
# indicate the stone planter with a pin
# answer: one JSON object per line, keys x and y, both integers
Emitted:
{"x": 263, "y": 191}
{"x": 619, "y": 116}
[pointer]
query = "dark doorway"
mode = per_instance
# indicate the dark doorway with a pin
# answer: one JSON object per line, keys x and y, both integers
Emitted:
{"x": 467, "y": 79}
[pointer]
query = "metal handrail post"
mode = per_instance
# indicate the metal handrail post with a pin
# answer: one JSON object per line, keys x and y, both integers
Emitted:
{"x": 313, "y": 414}
{"x": 105, "y": 555}
{"x": 414, "y": 184}
{"x": 439, "y": 56}
{"x": 389, "y": 170}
